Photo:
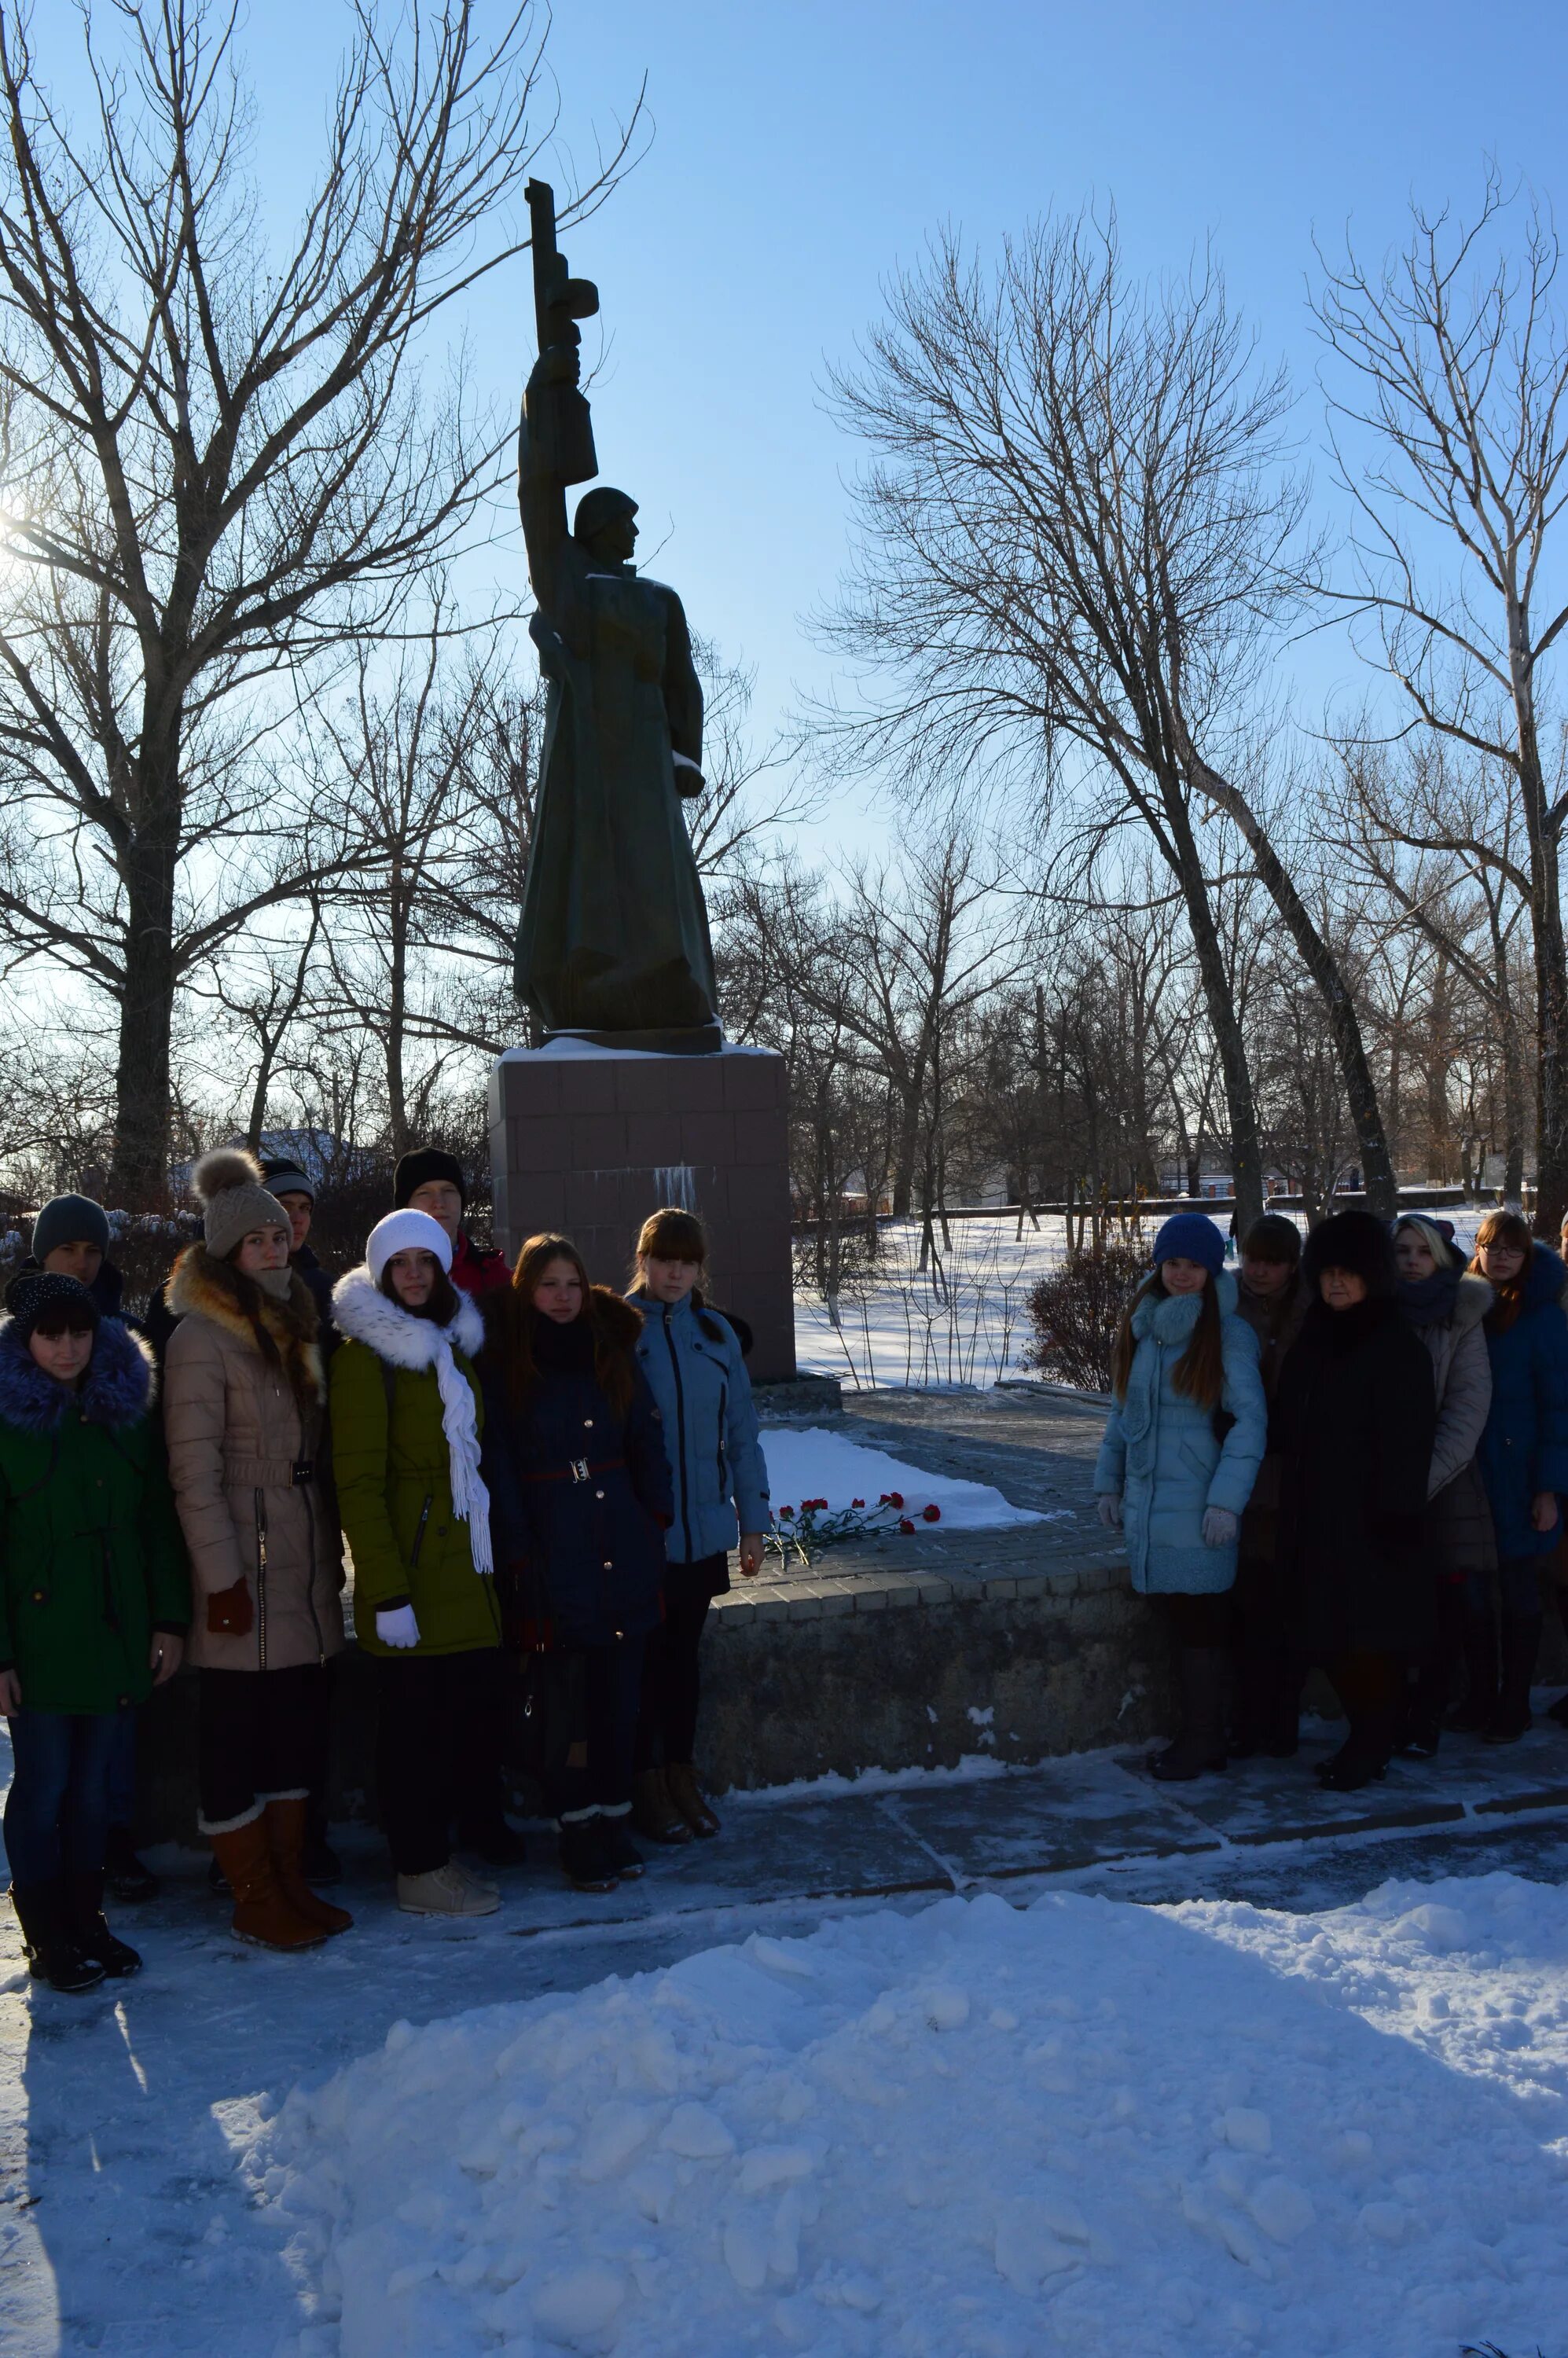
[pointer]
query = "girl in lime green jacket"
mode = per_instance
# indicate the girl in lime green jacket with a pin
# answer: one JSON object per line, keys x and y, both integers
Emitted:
{"x": 406, "y": 1418}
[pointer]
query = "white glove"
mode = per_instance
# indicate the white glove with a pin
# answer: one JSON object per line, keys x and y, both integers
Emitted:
{"x": 397, "y": 1628}
{"x": 1219, "y": 1527}
{"x": 1108, "y": 1507}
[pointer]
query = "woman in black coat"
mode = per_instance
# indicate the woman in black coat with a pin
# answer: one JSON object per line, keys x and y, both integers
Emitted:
{"x": 580, "y": 1500}
{"x": 1354, "y": 1419}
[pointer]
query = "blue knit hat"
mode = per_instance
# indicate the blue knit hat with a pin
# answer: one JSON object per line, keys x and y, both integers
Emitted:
{"x": 1191, "y": 1235}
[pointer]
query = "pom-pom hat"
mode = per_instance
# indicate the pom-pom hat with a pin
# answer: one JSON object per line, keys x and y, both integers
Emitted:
{"x": 406, "y": 1231}
{"x": 233, "y": 1200}
{"x": 1191, "y": 1235}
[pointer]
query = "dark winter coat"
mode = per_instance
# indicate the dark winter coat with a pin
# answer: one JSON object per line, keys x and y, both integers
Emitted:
{"x": 695, "y": 1373}
{"x": 1354, "y": 1419}
{"x": 581, "y": 1494}
{"x": 1524, "y": 1448}
{"x": 392, "y": 1469}
{"x": 320, "y": 1289}
{"x": 91, "y": 1559}
{"x": 1276, "y": 1321}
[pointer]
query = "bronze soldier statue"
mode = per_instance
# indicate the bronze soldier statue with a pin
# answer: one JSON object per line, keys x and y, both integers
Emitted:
{"x": 613, "y": 943}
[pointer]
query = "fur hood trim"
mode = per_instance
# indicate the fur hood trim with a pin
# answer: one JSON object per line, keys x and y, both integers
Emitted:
{"x": 118, "y": 1389}
{"x": 199, "y": 1286}
{"x": 1474, "y": 1300}
{"x": 617, "y": 1321}
{"x": 363, "y": 1312}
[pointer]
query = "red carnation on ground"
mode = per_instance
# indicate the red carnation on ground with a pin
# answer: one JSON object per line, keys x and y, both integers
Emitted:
{"x": 857, "y": 1502}
{"x": 906, "y": 1525}
{"x": 931, "y": 1514}
{"x": 787, "y": 1514}
{"x": 893, "y": 1499}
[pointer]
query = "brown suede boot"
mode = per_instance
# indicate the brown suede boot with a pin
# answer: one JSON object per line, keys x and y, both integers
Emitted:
{"x": 653, "y": 1811}
{"x": 286, "y": 1825}
{"x": 260, "y": 1912}
{"x": 681, "y": 1785}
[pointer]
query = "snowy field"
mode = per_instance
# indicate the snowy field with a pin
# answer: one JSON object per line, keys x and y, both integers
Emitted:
{"x": 815, "y": 1464}
{"x": 907, "y": 1330}
{"x": 972, "y": 2133}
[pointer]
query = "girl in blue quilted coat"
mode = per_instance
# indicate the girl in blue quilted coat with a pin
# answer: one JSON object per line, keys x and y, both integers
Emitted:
{"x": 1180, "y": 1456}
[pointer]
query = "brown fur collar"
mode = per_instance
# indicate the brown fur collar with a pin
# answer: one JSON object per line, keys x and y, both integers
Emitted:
{"x": 205, "y": 1287}
{"x": 613, "y": 1317}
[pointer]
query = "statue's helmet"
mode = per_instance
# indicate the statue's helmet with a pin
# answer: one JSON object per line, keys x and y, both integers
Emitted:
{"x": 599, "y": 507}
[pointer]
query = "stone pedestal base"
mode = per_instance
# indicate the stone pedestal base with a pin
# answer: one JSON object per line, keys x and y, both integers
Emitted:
{"x": 591, "y": 1141}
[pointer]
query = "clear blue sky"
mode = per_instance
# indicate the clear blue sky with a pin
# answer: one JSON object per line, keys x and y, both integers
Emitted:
{"x": 803, "y": 148}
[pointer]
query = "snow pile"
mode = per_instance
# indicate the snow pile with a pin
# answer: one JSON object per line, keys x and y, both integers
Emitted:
{"x": 975, "y": 2133}
{"x": 815, "y": 1464}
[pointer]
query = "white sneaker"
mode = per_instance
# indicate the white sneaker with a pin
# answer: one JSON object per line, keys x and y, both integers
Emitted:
{"x": 478, "y": 1881}
{"x": 446, "y": 1892}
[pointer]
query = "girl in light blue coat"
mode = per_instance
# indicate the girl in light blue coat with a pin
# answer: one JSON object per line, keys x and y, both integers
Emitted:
{"x": 1180, "y": 1456}
{"x": 693, "y": 1361}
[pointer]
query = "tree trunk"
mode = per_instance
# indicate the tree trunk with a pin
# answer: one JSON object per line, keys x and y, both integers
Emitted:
{"x": 1361, "y": 1090}
{"x": 139, "y": 1173}
{"x": 1245, "y": 1154}
{"x": 1551, "y": 973}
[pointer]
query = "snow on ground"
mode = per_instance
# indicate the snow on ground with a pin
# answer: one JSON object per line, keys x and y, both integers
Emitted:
{"x": 974, "y": 2133}
{"x": 815, "y": 1464}
{"x": 969, "y": 1323}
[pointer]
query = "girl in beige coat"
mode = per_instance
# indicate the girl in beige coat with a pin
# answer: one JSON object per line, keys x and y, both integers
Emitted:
{"x": 244, "y": 1413}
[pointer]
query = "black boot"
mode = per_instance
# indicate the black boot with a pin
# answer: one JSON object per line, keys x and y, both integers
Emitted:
{"x": 53, "y": 1956}
{"x": 585, "y": 1860}
{"x": 1201, "y": 1744}
{"x": 1478, "y": 1646}
{"x": 84, "y": 1912}
{"x": 620, "y": 1850}
{"x": 129, "y": 1878}
{"x": 1521, "y": 1643}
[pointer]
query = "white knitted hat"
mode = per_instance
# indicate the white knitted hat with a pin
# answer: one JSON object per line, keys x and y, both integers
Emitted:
{"x": 406, "y": 1231}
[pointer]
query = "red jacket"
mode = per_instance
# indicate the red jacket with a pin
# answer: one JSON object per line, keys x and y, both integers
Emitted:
{"x": 477, "y": 1271}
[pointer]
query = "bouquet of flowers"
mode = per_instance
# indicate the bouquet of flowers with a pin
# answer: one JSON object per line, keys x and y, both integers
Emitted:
{"x": 806, "y": 1531}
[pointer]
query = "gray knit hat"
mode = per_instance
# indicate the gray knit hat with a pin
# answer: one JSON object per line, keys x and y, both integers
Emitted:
{"x": 234, "y": 1201}
{"x": 70, "y": 1220}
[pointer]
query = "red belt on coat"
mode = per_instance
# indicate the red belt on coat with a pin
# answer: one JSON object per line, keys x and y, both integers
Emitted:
{"x": 577, "y": 1469}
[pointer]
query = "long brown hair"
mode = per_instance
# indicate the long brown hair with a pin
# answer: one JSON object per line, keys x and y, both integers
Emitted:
{"x": 514, "y": 1322}
{"x": 1199, "y": 1373}
{"x": 1505, "y": 1229}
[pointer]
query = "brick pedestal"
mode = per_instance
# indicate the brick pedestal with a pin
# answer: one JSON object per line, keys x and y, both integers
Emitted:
{"x": 591, "y": 1141}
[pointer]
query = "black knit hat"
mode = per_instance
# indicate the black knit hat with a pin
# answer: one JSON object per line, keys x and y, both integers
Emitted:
{"x": 1355, "y": 1241}
{"x": 418, "y": 1170}
{"x": 285, "y": 1177}
{"x": 37, "y": 1291}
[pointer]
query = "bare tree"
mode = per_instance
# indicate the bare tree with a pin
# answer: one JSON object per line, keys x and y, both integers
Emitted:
{"x": 222, "y": 467}
{"x": 1076, "y": 537}
{"x": 1455, "y": 363}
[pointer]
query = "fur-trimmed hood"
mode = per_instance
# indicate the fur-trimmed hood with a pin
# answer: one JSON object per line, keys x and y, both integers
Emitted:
{"x": 203, "y": 1287}
{"x": 364, "y": 1313}
{"x": 619, "y": 1321}
{"x": 1474, "y": 1300}
{"x": 117, "y": 1389}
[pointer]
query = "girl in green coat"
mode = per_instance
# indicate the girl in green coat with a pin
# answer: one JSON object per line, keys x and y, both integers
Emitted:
{"x": 407, "y": 1416}
{"x": 95, "y": 1603}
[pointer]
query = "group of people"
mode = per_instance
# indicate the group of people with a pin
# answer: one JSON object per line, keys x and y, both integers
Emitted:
{"x": 538, "y": 1484}
{"x": 1352, "y": 1456}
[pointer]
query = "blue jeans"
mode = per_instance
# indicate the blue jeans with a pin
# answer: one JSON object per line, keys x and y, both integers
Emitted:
{"x": 57, "y": 1812}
